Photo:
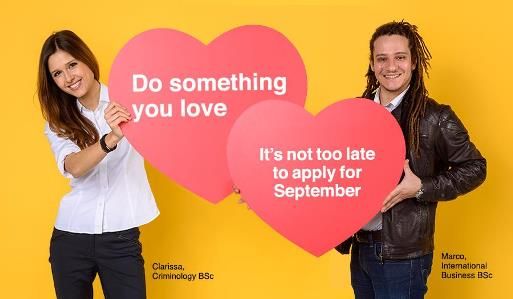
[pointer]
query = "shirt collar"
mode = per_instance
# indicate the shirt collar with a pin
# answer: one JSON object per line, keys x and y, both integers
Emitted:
{"x": 395, "y": 101}
{"x": 104, "y": 98}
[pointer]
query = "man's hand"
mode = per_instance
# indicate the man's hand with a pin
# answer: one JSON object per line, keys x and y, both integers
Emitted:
{"x": 236, "y": 190}
{"x": 406, "y": 189}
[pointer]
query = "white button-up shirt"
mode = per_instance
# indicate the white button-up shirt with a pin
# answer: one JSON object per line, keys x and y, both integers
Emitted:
{"x": 376, "y": 223}
{"x": 115, "y": 195}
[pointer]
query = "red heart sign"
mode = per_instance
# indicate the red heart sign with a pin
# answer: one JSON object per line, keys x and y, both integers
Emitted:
{"x": 184, "y": 96}
{"x": 316, "y": 180}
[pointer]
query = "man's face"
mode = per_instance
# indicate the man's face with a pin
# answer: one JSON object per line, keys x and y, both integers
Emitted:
{"x": 392, "y": 64}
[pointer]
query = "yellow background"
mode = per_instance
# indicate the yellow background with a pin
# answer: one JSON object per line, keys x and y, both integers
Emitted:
{"x": 471, "y": 70}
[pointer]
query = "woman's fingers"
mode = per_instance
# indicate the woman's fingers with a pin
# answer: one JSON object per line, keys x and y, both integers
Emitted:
{"x": 114, "y": 107}
{"x": 114, "y": 111}
{"x": 116, "y": 114}
{"x": 117, "y": 118}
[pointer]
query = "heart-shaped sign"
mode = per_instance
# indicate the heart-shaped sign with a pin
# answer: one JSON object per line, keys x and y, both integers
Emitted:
{"x": 316, "y": 180}
{"x": 184, "y": 96}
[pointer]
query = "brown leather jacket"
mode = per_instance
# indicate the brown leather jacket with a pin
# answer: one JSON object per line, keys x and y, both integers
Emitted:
{"x": 449, "y": 165}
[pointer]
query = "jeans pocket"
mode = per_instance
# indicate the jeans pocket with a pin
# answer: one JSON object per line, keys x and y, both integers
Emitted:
{"x": 378, "y": 251}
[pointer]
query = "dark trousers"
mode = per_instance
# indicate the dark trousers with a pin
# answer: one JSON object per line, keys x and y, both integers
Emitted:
{"x": 375, "y": 278}
{"x": 115, "y": 256}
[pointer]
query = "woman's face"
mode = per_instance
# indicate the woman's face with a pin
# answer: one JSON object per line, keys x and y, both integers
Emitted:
{"x": 71, "y": 75}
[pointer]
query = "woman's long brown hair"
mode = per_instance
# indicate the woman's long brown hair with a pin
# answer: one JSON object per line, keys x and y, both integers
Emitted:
{"x": 415, "y": 99}
{"x": 59, "y": 108}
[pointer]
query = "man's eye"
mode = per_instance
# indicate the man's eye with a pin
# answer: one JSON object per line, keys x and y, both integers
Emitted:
{"x": 381, "y": 59}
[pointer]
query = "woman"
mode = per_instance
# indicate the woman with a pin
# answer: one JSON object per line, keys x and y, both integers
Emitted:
{"x": 97, "y": 225}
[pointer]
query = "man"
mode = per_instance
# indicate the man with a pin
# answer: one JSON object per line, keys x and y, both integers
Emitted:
{"x": 391, "y": 256}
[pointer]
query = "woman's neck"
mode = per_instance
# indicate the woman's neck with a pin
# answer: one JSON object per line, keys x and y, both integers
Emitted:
{"x": 92, "y": 98}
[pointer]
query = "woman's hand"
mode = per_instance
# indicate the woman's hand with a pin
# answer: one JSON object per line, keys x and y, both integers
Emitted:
{"x": 79, "y": 163}
{"x": 115, "y": 114}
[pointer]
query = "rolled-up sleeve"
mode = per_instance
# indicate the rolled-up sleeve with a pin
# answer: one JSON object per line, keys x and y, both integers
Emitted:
{"x": 61, "y": 147}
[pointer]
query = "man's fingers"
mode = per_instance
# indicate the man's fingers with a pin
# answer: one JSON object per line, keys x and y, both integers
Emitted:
{"x": 236, "y": 189}
{"x": 392, "y": 202}
{"x": 392, "y": 194}
{"x": 407, "y": 169}
{"x": 242, "y": 201}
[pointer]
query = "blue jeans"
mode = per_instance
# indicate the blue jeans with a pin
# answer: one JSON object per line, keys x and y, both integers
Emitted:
{"x": 374, "y": 278}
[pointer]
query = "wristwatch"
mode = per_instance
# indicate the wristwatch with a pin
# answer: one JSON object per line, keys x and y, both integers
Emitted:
{"x": 419, "y": 193}
{"x": 104, "y": 146}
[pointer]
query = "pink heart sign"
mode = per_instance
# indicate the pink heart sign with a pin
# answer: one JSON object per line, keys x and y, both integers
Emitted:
{"x": 184, "y": 96}
{"x": 316, "y": 180}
